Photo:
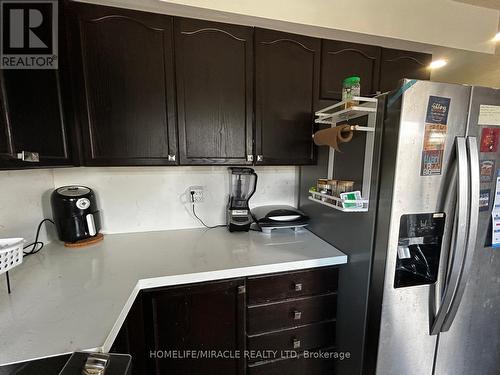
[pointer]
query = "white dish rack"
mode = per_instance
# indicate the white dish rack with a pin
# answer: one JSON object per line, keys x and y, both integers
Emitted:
{"x": 11, "y": 255}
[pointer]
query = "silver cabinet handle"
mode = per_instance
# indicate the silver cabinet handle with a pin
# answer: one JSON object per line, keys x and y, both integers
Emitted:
{"x": 296, "y": 343}
{"x": 297, "y": 287}
{"x": 249, "y": 157}
{"x": 297, "y": 315}
{"x": 471, "y": 233}
{"x": 32, "y": 157}
{"x": 171, "y": 157}
{"x": 260, "y": 158}
{"x": 459, "y": 237}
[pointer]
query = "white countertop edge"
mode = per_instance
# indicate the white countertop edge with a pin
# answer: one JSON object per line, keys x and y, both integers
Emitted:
{"x": 198, "y": 277}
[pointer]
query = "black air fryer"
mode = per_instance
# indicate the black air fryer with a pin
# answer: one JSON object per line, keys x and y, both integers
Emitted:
{"x": 75, "y": 213}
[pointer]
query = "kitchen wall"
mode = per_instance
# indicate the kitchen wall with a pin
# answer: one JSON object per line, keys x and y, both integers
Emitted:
{"x": 157, "y": 198}
{"x": 24, "y": 202}
{"x": 135, "y": 199}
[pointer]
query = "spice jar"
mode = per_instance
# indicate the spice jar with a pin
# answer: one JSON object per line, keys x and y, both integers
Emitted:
{"x": 351, "y": 87}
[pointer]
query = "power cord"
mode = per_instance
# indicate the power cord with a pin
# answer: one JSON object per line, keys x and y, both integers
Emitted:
{"x": 36, "y": 245}
{"x": 199, "y": 219}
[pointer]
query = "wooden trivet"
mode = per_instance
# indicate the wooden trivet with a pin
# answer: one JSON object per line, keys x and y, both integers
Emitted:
{"x": 88, "y": 241}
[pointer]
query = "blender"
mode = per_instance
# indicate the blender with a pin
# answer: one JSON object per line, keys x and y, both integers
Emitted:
{"x": 242, "y": 184}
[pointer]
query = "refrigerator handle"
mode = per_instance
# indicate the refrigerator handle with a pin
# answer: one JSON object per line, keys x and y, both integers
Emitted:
{"x": 457, "y": 248}
{"x": 472, "y": 232}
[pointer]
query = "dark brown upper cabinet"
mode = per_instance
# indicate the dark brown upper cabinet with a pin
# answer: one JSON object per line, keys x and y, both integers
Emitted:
{"x": 287, "y": 80}
{"x": 6, "y": 148}
{"x": 340, "y": 60}
{"x": 34, "y": 118}
{"x": 396, "y": 64}
{"x": 123, "y": 65}
{"x": 214, "y": 69}
{"x": 35, "y": 114}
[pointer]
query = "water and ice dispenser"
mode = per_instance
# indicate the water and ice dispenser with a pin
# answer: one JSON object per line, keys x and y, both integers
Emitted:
{"x": 419, "y": 249}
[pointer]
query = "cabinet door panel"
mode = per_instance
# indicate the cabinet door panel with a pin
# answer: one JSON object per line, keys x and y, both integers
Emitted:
{"x": 295, "y": 366}
{"x": 306, "y": 337}
{"x": 287, "y": 76}
{"x": 35, "y": 113}
{"x": 396, "y": 64}
{"x": 127, "y": 110}
{"x": 214, "y": 69}
{"x": 290, "y": 313}
{"x": 340, "y": 60}
{"x": 207, "y": 316}
{"x": 267, "y": 288}
{"x": 6, "y": 148}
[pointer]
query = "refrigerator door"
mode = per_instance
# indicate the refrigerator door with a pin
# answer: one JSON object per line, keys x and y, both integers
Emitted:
{"x": 472, "y": 343}
{"x": 420, "y": 222}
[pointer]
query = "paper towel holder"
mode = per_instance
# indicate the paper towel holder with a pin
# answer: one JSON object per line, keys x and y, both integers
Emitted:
{"x": 341, "y": 114}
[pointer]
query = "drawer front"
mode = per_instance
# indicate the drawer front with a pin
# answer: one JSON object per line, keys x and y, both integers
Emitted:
{"x": 276, "y": 287}
{"x": 299, "y": 339}
{"x": 297, "y": 366}
{"x": 291, "y": 313}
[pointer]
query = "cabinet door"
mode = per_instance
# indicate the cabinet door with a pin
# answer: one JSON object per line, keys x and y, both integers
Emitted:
{"x": 123, "y": 60}
{"x": 397, "y": 64}
{"x": 6, "y": 148}
{"x": 36, "y": 113}
{"x": 340, "y": 60}
{"x": 200, "y": 317}
{"x": 287, "y": 77}
{"x": 214, "y": 69}
{"x": 131, "y": 339}
{"x": 34, "y": 117}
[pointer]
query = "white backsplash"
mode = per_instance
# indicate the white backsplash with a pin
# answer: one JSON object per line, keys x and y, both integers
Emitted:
{"x": 136, "y": 199}
{"x": 24, "y": 202}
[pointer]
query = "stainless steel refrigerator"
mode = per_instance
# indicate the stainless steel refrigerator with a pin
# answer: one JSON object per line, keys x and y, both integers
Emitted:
{"x": 421, "y": 292}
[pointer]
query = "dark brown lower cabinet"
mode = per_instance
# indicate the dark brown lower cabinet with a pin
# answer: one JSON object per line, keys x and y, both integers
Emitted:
{"x": 186, "y": 330}
{"x": 219, "y": 328}
{"x": 198, "y": 319}
{"x": 319, "y": 362}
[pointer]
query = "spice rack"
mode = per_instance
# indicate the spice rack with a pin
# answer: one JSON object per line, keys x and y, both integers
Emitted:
{"x": 346, "y": 110}
{"x": 343, "y": 112}
{"x": 338, "y": 203}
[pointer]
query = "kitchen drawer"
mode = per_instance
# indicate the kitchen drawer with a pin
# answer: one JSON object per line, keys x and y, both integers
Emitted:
{"x": 311, "y": 336}
{"x": 290, "y": 313}
{"x": 296, "y": 366}
{"x": 275, "y": 287}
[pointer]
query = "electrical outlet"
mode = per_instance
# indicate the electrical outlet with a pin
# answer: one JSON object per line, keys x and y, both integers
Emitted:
{"x": 196, "y": 192}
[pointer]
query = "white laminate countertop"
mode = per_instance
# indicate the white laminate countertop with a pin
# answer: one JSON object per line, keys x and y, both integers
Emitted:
{"x": 65, "y": 300}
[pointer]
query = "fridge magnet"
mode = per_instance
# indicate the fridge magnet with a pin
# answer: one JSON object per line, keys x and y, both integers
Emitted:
{"x": 495, "y": 217}
{"x": 434, "y": 137}
{"x": 436, "y": 120}
{"x": 489, "y": 139}
{"x": 432, "y": 162}
{"x": 486, "y": 169}
{"x": 484, "y": 200}
{"x": 437, "y": 110}
{"x": 489, "y": 115}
